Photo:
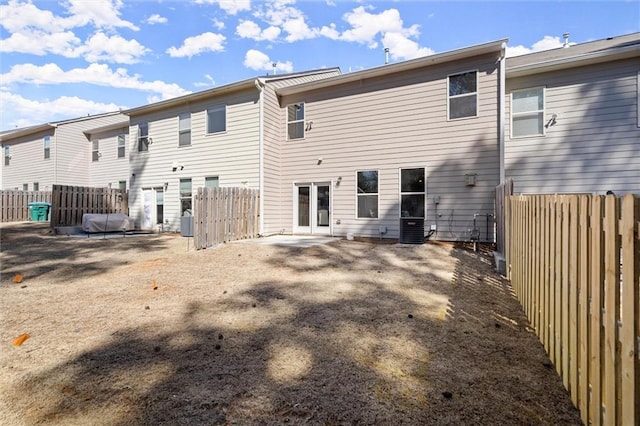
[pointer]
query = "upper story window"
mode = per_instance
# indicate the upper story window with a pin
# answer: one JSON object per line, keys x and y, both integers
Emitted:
{"x": 463, "y": 95}
{"x": 7, "y": 156}
{"x": 367, "y": 194}
{"x": 217, "y": 119}
{"x": 295, "y": 121}
{"x": 95, "y": 150}
{"x": 184, "y": 129}
{"x": 121, "y": 146}
{"x": 46, "y": 143}
{"x": 143, "y": 137}
{"x": 527, "y": 112}
{"x": 412, "y": 192}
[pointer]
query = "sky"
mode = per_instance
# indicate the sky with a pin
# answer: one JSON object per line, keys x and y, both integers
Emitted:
{"x": 67, "y": 59}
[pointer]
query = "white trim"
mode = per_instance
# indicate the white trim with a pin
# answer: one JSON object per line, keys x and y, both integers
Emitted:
{"x": 476, "y": 94}
{"x": 260, "y": 86}
{"x": 190, "y": 116}
{"x": 544, "y": 107}
{"x": 313, "y": 228}
{"x": 501, "y": 114}
{"x": 304, "y": 117}
{"x": 377, "y": 194}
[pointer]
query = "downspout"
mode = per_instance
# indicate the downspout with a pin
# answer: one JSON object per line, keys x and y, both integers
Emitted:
{"x": 260, "y": 86}
{"x": 501, "y": 111}
{"x": 55, "y": 158}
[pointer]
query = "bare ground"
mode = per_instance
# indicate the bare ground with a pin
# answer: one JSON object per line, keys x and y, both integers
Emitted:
{"x": 351, "y": 332}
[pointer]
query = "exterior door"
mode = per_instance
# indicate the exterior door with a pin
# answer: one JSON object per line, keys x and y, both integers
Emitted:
{"x": 312, "y": 208}
{"x": 153, "y": 207}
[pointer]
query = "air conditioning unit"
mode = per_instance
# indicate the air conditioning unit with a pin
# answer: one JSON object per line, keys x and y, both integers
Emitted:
{"x": 411, "y": 231}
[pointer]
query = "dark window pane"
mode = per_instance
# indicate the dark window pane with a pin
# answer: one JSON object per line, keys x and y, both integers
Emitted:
{"x": 412, "y": 205}
{"x": 367, "y": 206}
{"x": 295, "y": 112}
{"x": 412, "y": 180}
{"x": 303, "y": 206}
{"x": 184, "y": 138}
{"x": 368, "y": 182}
{"x": 217, "y": 120}
{"x": 462, "y": 83}
{"x": 295, "y": 130}
{"x": 462, "y": 107}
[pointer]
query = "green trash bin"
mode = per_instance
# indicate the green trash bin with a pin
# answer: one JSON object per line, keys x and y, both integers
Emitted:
{"x": 39, "y": 211}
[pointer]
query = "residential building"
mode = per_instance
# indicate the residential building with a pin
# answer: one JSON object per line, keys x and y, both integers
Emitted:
{"x": 572, "y": 121}
{"x": 217, "y": 137}
{"x": 37, "y": 157}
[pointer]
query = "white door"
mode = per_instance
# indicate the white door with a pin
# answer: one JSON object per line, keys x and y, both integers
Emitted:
{"x": 153, "y": 207}
{"x": 312, "y": 208}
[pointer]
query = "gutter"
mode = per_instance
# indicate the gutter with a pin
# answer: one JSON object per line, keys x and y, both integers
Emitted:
{"x": 260, "y": 86}
{"x": 501, "y": 111}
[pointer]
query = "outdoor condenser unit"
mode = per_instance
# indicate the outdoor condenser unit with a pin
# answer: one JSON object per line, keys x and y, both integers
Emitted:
{"x": 411, "y": 231}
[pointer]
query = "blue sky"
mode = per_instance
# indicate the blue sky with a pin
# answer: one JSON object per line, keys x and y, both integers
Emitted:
{"x": 67, "y": 59}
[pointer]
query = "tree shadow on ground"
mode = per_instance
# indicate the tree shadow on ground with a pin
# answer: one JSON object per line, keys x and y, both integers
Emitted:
{"x": 378, "y": 335}
{"x": 32, "y": 250}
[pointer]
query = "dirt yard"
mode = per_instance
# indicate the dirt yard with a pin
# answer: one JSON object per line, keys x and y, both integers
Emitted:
{"x": 147, "y": 331}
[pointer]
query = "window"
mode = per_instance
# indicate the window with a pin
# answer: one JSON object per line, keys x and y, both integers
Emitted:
{"x": 95, "y": 150}
{"x": 185, "y": 197}
{"x": 159, "y": 206}
{"x": 25, "y": 186}
{"x": 143, "y": 137}
{"x": 217, "y": 119}
{"x": 211, "y": 182}
{"x": 412, "y": 193}
{"x": 527, "y": 112}
{"x": 295, "y": 121}
{"x": 7, "y": 156}
{"x": 184, "y": 129}
{"x": 122, "y": 185}
{"x": 36, "y": 186}
{"x": 46, "y": 142}
{"x": 368, "y": 194}
{"x": 463, "y": 95}
{"x": 121, "y": 146}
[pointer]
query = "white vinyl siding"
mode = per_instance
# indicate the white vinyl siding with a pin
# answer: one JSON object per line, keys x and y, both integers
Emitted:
{"x": 462, "y": 95}
{"x": 592, "y": 144}
{"x": 217, "y": 119}
{"x": 367, "y": 194}
{"x": 184, "y": 129}
{"x": 527, "y": 112}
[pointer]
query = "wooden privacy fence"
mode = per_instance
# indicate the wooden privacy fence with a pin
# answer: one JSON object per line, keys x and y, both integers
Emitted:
{"x": 502, "y": 192}
{"x": 574, "y": 263}
{"x": 225, "y": 214}
{"x": 69, "y": 203}
{"x": 15, "y": 204}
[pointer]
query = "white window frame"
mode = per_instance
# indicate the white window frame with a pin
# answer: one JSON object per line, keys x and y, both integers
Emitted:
{"x": 363, "y": 194}
{"x": 7, "y": 155}
{"x": 183, "y": 118}
{"x": 95, "y": 150}
{"x": 122, "y": 145}
{"x": 25, "y": 186}
{"x": 463, "y": 95}
{"x": 189, "y": 197}
{"x": 401, "y": 193}
{"x": 531, "y": 113}
{"x": 210, "y": 179}
{"x": 304, "y": 113}
{"x": 214, "y": 109}
{"x": 143, "y": 138}
{"x": 46, "y": 145}
{"x": 36, "y": 186}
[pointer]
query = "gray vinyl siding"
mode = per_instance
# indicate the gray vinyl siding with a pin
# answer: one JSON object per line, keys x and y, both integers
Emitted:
{"x": 594, "y": 146}
{"x": 399, "y": 121}
{"x": 233, "y": 155}
{"x": 109, "y": 169}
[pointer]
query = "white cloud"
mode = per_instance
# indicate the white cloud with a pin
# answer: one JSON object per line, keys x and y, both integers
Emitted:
{"x": 39, "y": 43}
{"x": 546, "y": 43}
{"x": 96, "y": 74}
{"x": 218, "y": 24}
{"x": 401, "y": 47}
{"x": 192, "y": 46}
{"x": 49, "y": 110}
{"x": 292, "y": 21}
{"x": 209, "y": 83}
{"x": 112, "y": 49}
{"x": 231, "y": 7}
{"x": 258, "y": 61}
{"x": 156, "y": 19}
{"x": 251, "y": 30}
{"x": 103, "y": 14}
